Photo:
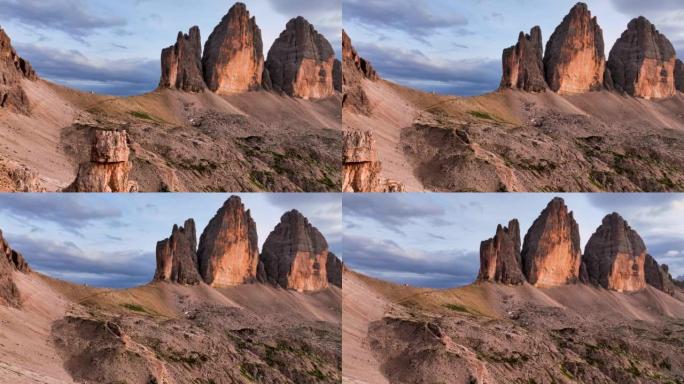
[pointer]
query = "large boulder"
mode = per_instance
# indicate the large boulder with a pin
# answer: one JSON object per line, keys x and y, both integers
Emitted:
{"x": 574, "y": 60}
{"x": 300, "y": 62}
{"x": 295, "y": 255}
{"x": 181, "y": 64}
{"x": 10, "y": 261}
{"x": 642, "y": 61}
{"x": 334, "y": 268}
{"x": 228, "y": 252}
{"x": 361, "y": 168}
{"x": 177, "y": 256}
{"x": 500, "y": 256}
{"x": 551, "y": 253}
{"x": 12, "y": 70}
{"x": 233, "y": 58}
{"x": 523, "y": 67}
{"x": 615, "y": 256}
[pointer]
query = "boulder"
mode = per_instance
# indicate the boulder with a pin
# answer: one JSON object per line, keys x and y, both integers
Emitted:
{"x": 642, "y": 62}
{"x": 181, "y": 64}
{"x": 228, "y": 252}
{"x": 679, "y": 75}
{"x": 615, "y": 256}
{"x": 500, "y": 256}
{"x": 361, "y": 169}
{"x": 523, "y": 66}
{"x": 295, "y": 255}
{"x": 13, "y": 69}
{"x": 333, "y": 268}
{"x": 177, "y": 256}
{"x": 301, "y": 61}
{"x": 233, "y": 58}
{"x": 574, "y": 60}
{"x": 551, "y": 253}
{"x": 10, "y": 261}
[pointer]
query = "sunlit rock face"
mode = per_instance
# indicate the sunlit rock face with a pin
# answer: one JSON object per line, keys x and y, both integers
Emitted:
{"x": 12, "y": 70}
{"x": 500, "y": 256}
{"x": 574, "y": 60}
{"x": 615, "y": 256}
{"x": 295, "y": 255}
{"x": 523, "y": 67}
{"x": 301, "y": 62}
{"x": 177, "y": 256}
{"x": 354, "y": 69}
{"x": 361, "y": 166}
{"x": 10, "y": 261}
{"x": 642, "y": 62}
{"x": 228, "y": 252}
{"x": 233, "y": 58}
{"x": 181, "y": 64}
{"x": 551, "y": 253}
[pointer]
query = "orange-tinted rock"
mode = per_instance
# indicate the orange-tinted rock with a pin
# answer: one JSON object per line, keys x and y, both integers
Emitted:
{"x": 295, "y": 255}
{"x": 333, "y": 268}
{"x": 574, "y": 61}
{"x": 523, "y": 67}
{"x": 551, "y": 253}
{"x": 10, "y": 261}
{"x": 500, "y": 256}
{"x": 353, "y": 63}
{"x": 177, "y": 256}
{"x": 679, "y": 75}
{"x": 181, "y": 64}
{"x": 300, "y": 62}
{"x": 233, "y": 58}
{"x": 109, "y": 146}
{"x": 12, "y": 70}
{"x": 228, "y": 252}
{"x": 361, "y": 169}
{"x": 615, "y": 256}
{"x": 642, "y": 62}
{"x": 354, "y": 70}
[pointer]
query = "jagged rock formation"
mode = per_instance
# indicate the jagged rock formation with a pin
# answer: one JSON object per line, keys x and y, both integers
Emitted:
{"x": 12, "y": 70}
{"x": 233, "y": 58}
{"x": 300, "y": 62}
{"x": 615, "y": 256}
{"x": 228, "y": 252}
{"x": 333, "y": 268}
{"x": 551, "y": 253}
{"x": 109, "y": 168}
{"x": 574, "y": 61}
{"x": 523, "y": 67}
{"x": 181, "y": 64}
{"x": 679, "y": 75}
{"x": 295, "y": 255}
{"x": 658, "y": 276}
{"x": 361, "y": 172}
{"x": 177, "y": 256}
{"x": 642, "y": 61}
{"x": 354, "y": 63}
{"x": 354, "y": 70}
{"x": 500, "y": 256}
{"x": 337, "y": 75}
{"x": 10, "y": 260}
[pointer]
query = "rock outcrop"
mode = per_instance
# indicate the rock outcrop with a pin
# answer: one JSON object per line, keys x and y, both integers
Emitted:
{"x": 523, "y": 66}
{"x": 354, "y": 70}
{"x": 679, "y": 75}
{"x": 228, "y": 252}
{"x": 177, "y": 256}
{"x": 337, "y": 75}
{"x": 551, "y": 253}
{"x": 500, "y": 256}
{"x": 233, "y": 58}
{"x": 295, "y": 255}
{"x": 12, "y": 70}
{"x": 181, "y": 64}
{"x": 300, "y": 62}
{"x": 574, "y": 60}
{"x": 333, "y": 268}
{"x": 642, "y": 62}
{"x": 108, "y": 169}
{"x": 658, "y": 276}
{"x": 10, "y": 261}
{"x": 615, "y": 256}
{"x": 361, "y": 170}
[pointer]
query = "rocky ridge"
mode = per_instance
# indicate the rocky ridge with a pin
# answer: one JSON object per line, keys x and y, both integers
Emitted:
{"x": 177, "y": 256}
{"x": 354, "y": 69}
{"x": 182, "y": 63}
{"x": 10, "y": 261}
{"x": 500, "y": 256}
{"x": 523, "y": 67}
{"x": 13, "y": 69}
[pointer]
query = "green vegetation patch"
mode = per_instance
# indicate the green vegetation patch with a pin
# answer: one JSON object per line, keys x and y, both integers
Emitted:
{"x": 136, "y": 308}
{"x": 143, "y": 116}
{"x": 482, "y": 115}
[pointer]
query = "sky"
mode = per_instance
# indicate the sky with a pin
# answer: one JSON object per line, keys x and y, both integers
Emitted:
{"x": 109, "y": 240}
{"x": 455, "y": 47}
{"x": 433, "y": 240}
{"x": 114, "y": 47}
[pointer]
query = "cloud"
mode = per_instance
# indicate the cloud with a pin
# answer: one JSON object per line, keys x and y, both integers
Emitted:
{"x": 414, "y": 17}
{"x": 637, "y": 7}
{"x": 72, "y": 17}
{"x": 414, "y": 68}
{"x": 65, "y": 260}
{"x": 119, "y": 77}
{"x": 387, "y": 260}
{"x": 293, "y": 8}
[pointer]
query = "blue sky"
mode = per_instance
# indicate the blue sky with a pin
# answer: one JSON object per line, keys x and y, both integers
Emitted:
{"x": 114, "y": 47}
{"x": 454, "y": 47}
{"x": 109, "y": 240}
{"x": 433, "y": 240}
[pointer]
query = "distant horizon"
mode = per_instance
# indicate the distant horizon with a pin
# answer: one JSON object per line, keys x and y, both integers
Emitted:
{"x": 455, "y": 48}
